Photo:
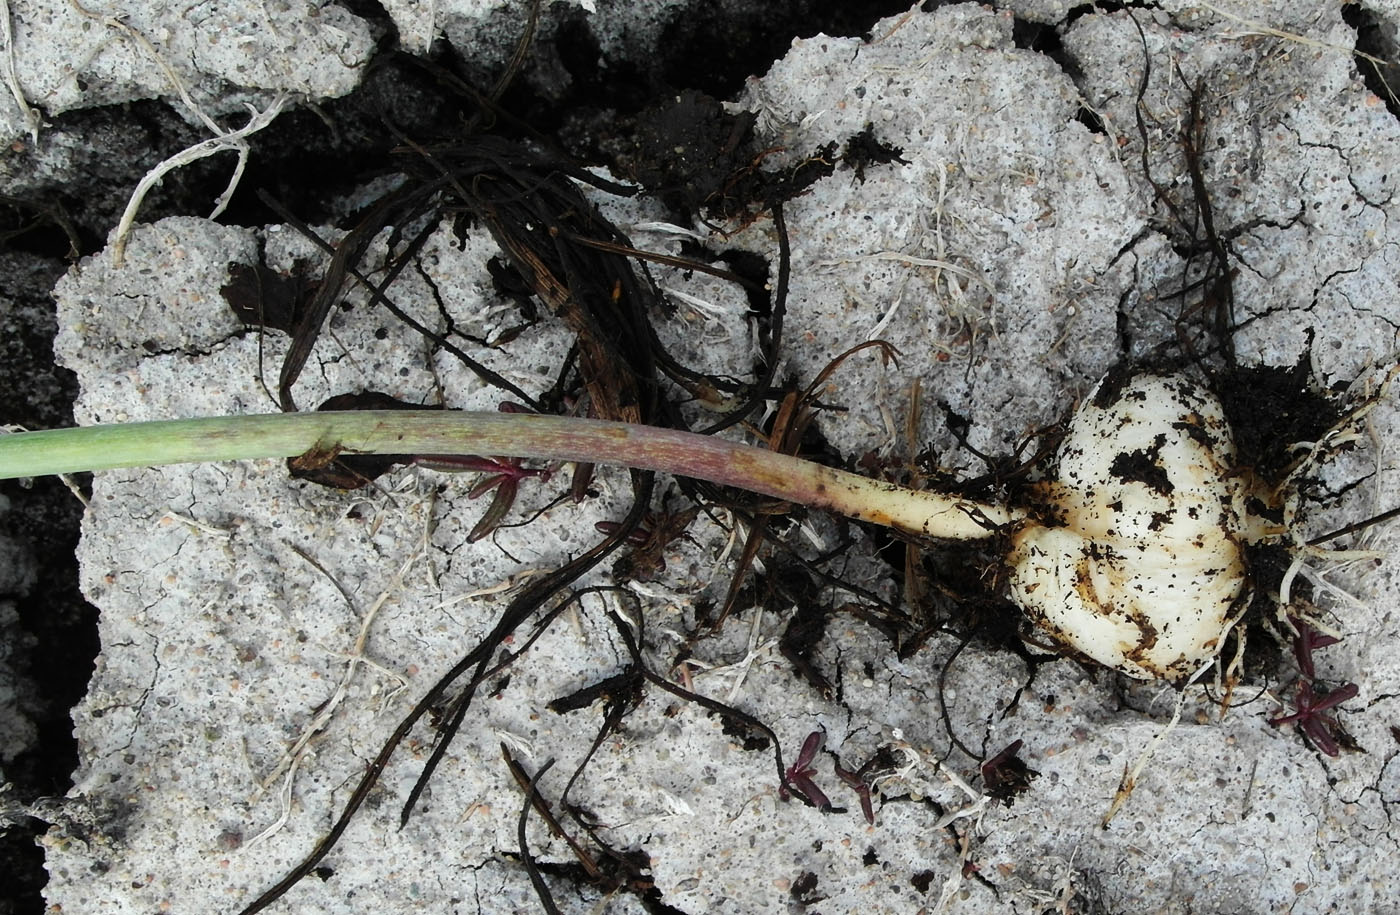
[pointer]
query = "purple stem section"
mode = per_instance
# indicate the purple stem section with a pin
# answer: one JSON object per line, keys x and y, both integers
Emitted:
{"x": 435, "y": 432}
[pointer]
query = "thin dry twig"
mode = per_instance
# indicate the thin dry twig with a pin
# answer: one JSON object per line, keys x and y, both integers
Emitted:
{"x": 230, "y": 141}
{"x": 223, "y": 139}
{"x": 356, "y": 656}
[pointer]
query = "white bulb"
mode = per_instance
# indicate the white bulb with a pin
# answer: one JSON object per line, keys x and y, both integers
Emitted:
{"x": 1140, "y": 563}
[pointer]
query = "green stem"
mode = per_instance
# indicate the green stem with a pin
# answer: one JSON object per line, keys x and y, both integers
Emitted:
{"x": 433, "y": 432}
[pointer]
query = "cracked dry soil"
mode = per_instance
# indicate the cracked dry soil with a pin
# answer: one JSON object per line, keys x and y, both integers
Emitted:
{"x": 1031, "y": 237}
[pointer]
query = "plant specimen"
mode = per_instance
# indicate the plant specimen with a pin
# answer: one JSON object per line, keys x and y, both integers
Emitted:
{"x": 1312, "y": 702}
{"x": 1310, "y": 715}
{"x": 1132, "y": 556}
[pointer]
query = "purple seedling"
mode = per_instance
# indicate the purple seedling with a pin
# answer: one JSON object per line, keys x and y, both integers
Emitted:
{"x": 503, "y": 475}
{"x": 1306, "y": 642}
{"x": 856, "y": 780}
{"x": 1310, "y": 704}
{"x": 798, "y": 778}
{"x": 1309, "y": 715}
{"x": 799, "y": 774}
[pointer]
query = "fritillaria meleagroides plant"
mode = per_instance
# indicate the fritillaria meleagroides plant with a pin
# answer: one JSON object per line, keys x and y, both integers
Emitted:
{"x": 1132, "y": 554}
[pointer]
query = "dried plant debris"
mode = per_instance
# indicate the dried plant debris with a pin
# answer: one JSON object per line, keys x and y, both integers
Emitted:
{"x": 261, "y": 297}
{"x": 1006, "y": 775}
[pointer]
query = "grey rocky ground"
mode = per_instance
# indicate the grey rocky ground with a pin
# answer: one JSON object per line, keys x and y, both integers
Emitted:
{"x": 1011, "y": 257}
